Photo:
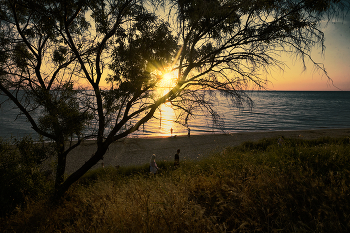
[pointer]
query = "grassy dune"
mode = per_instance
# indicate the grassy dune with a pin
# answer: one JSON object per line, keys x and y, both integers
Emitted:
{"x": 302, "y": 186}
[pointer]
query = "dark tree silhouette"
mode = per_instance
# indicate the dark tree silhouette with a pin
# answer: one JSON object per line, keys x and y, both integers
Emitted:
{"x": 56, "y": 55}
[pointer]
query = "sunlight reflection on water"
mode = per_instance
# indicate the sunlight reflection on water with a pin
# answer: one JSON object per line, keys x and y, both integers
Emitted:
{"x": 272, "y": 111}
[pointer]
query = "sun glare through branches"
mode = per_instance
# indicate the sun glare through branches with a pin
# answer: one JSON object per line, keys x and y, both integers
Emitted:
{"x": 167, "y": 82}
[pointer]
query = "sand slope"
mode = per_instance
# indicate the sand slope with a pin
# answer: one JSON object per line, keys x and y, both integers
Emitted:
{"x": 138, "y": 151}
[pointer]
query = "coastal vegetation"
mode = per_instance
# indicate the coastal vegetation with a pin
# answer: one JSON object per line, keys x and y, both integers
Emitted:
{"x": 296, "y": 186}
{"x": 100, "y": 69}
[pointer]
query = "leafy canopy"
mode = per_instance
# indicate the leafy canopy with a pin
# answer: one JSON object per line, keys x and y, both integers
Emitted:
{"x": 92, "y": 68}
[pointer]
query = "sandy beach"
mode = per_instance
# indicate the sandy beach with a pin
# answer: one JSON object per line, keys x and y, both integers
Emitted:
{"x": 138, "y": 151}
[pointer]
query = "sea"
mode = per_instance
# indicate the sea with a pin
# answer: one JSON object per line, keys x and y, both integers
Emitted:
{"x": 272, "y": 111}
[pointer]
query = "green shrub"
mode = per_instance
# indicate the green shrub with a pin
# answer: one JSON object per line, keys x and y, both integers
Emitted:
{"x": 21, "y": 177}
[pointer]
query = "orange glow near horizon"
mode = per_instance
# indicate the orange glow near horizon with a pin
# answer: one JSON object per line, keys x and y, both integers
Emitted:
{"x": 295, "y": 79}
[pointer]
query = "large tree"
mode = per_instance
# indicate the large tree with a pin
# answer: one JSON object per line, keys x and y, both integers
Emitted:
{"x": 119, "y": 51}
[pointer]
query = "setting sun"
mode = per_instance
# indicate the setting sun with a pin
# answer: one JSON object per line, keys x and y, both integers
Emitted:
{"x": 169, "y": 80}
{"x": 168, "y": 77}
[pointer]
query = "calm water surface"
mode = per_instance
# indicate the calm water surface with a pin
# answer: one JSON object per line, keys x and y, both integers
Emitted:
{"x": 273, "y": 110}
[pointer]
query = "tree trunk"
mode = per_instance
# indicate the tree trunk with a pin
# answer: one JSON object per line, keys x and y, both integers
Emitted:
{"x": 63, "y": 187}
{"x": 61, "y": 166}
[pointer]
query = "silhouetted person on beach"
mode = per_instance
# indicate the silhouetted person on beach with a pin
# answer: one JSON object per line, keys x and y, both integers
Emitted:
{"x": 177, "y": 158}
{"x": 188, "y": 132}
{"x": 281, "y": 141}
{"x": 153, "y": 165}
{"x": 171, "y": 132}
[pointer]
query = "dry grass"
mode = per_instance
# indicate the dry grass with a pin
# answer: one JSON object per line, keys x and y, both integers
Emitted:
{"x": 257, "y": 187}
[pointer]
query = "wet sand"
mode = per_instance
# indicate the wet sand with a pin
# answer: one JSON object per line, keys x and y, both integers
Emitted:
{"x": 138, "y": 151}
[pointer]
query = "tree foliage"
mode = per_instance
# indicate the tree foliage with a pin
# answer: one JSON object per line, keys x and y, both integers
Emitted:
{"x": 21, "y": 175}
{"x": 118, "y": 50}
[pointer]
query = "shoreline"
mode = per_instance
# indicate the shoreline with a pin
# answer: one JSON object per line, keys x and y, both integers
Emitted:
{"x": 138, "y": 151}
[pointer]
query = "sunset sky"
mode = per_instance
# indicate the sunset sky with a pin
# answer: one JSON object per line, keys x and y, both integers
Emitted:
{"x": 336, "y": 60}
